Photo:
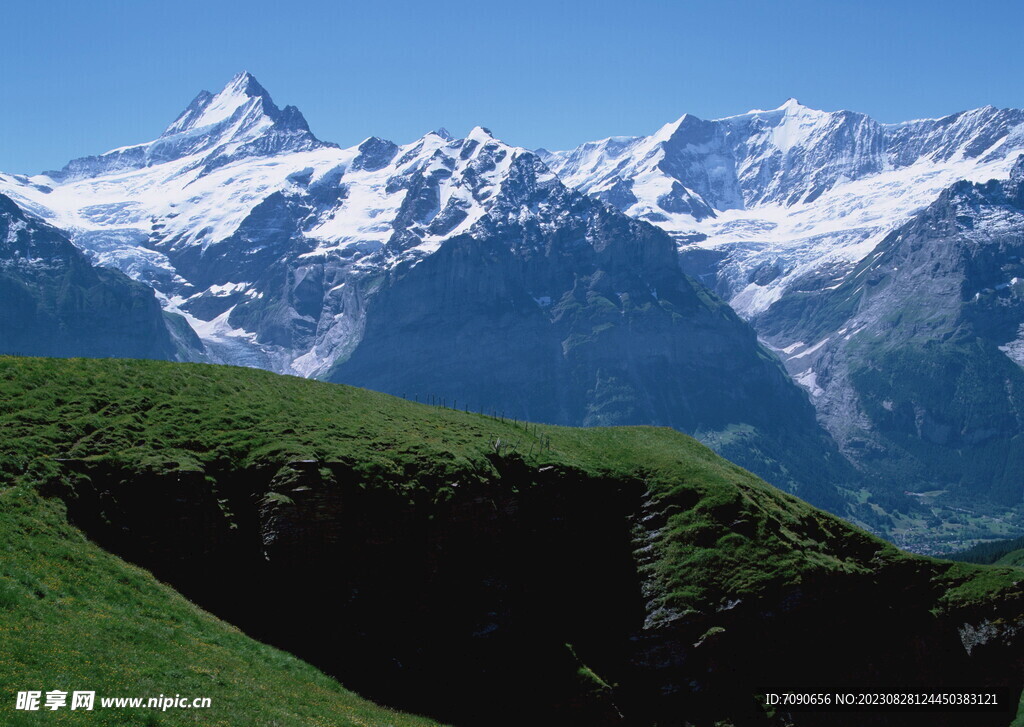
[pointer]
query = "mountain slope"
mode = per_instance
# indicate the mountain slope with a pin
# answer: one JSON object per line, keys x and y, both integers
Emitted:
{"x": 492, "y": 572}
{"x": 1006, "y": 552}
{"x": 53, "y": 302}
{"x": 915, "y": 360}
{"x": 554, "y": 308}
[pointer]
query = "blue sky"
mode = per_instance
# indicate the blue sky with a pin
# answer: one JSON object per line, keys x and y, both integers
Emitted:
{"x": 79, "y": 78}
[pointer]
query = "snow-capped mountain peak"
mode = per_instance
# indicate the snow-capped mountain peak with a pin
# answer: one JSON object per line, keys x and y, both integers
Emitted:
{"x": 480, "y": 134}
{"x": 793, "y": 124}
{"x": 666, "y": 132}
{"x": 236, "y": 187}
{"x": 241, "y": 120}
{"x": 208, "y": 109}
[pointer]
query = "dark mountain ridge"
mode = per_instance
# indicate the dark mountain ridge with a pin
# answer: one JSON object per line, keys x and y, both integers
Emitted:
{"x": 54, "y": 302}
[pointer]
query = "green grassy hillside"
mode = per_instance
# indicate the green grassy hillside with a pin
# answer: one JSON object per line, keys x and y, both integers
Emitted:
{"x": 1014, "y": 558}
{"x": 148, "y": 415}
{"x": 74, "y": 617}
{"x": 717, "y": 551}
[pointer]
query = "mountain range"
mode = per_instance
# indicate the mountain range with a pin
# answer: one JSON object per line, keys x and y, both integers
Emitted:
{"x": 771, "y": 201}
{"x": 726, "y": 278}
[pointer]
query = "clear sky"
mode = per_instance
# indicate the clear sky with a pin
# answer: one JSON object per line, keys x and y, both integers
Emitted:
{"x": 79, "y": 77}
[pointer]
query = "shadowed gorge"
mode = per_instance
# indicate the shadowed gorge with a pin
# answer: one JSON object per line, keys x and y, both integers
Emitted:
{"x": 493, "y": 572}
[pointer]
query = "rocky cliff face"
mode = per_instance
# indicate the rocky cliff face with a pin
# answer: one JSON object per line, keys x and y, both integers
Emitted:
{"x": 915, "y": 361}
{"x": 508, "y": 602}
{"x": 53, "y": 302}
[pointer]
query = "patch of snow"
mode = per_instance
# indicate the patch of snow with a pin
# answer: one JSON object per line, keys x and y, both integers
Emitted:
{"x": 1015, "y": 349}
{"x": 812, "y": 349}
{"x": 809, "y": 380}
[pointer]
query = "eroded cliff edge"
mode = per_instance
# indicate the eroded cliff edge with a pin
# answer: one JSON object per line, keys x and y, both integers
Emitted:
{"x": 494, "y": 572}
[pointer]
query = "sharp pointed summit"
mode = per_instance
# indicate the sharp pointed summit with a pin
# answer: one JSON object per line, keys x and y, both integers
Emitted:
{"x": 242, "y": 97}
{"x": 239, "y": 121}
{"x": 246, "y": 83}
{"x": 481, "y": 134}
{"x": 207, "y": 109}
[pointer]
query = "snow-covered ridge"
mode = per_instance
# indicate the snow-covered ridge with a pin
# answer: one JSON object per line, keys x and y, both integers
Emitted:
{"x": 235, "y": 185}
{"x": 789, "y": 193}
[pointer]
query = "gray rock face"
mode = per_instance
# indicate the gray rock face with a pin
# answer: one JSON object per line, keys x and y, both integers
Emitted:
{"x": 579, "y": 315}
{"x": 916, "y": 361}
{"x": 53, "y": 302}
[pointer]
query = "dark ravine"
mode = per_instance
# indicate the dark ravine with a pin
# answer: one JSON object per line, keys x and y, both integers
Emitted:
{"x": 461, "y": 609}
{"x": 459, "y": 604}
